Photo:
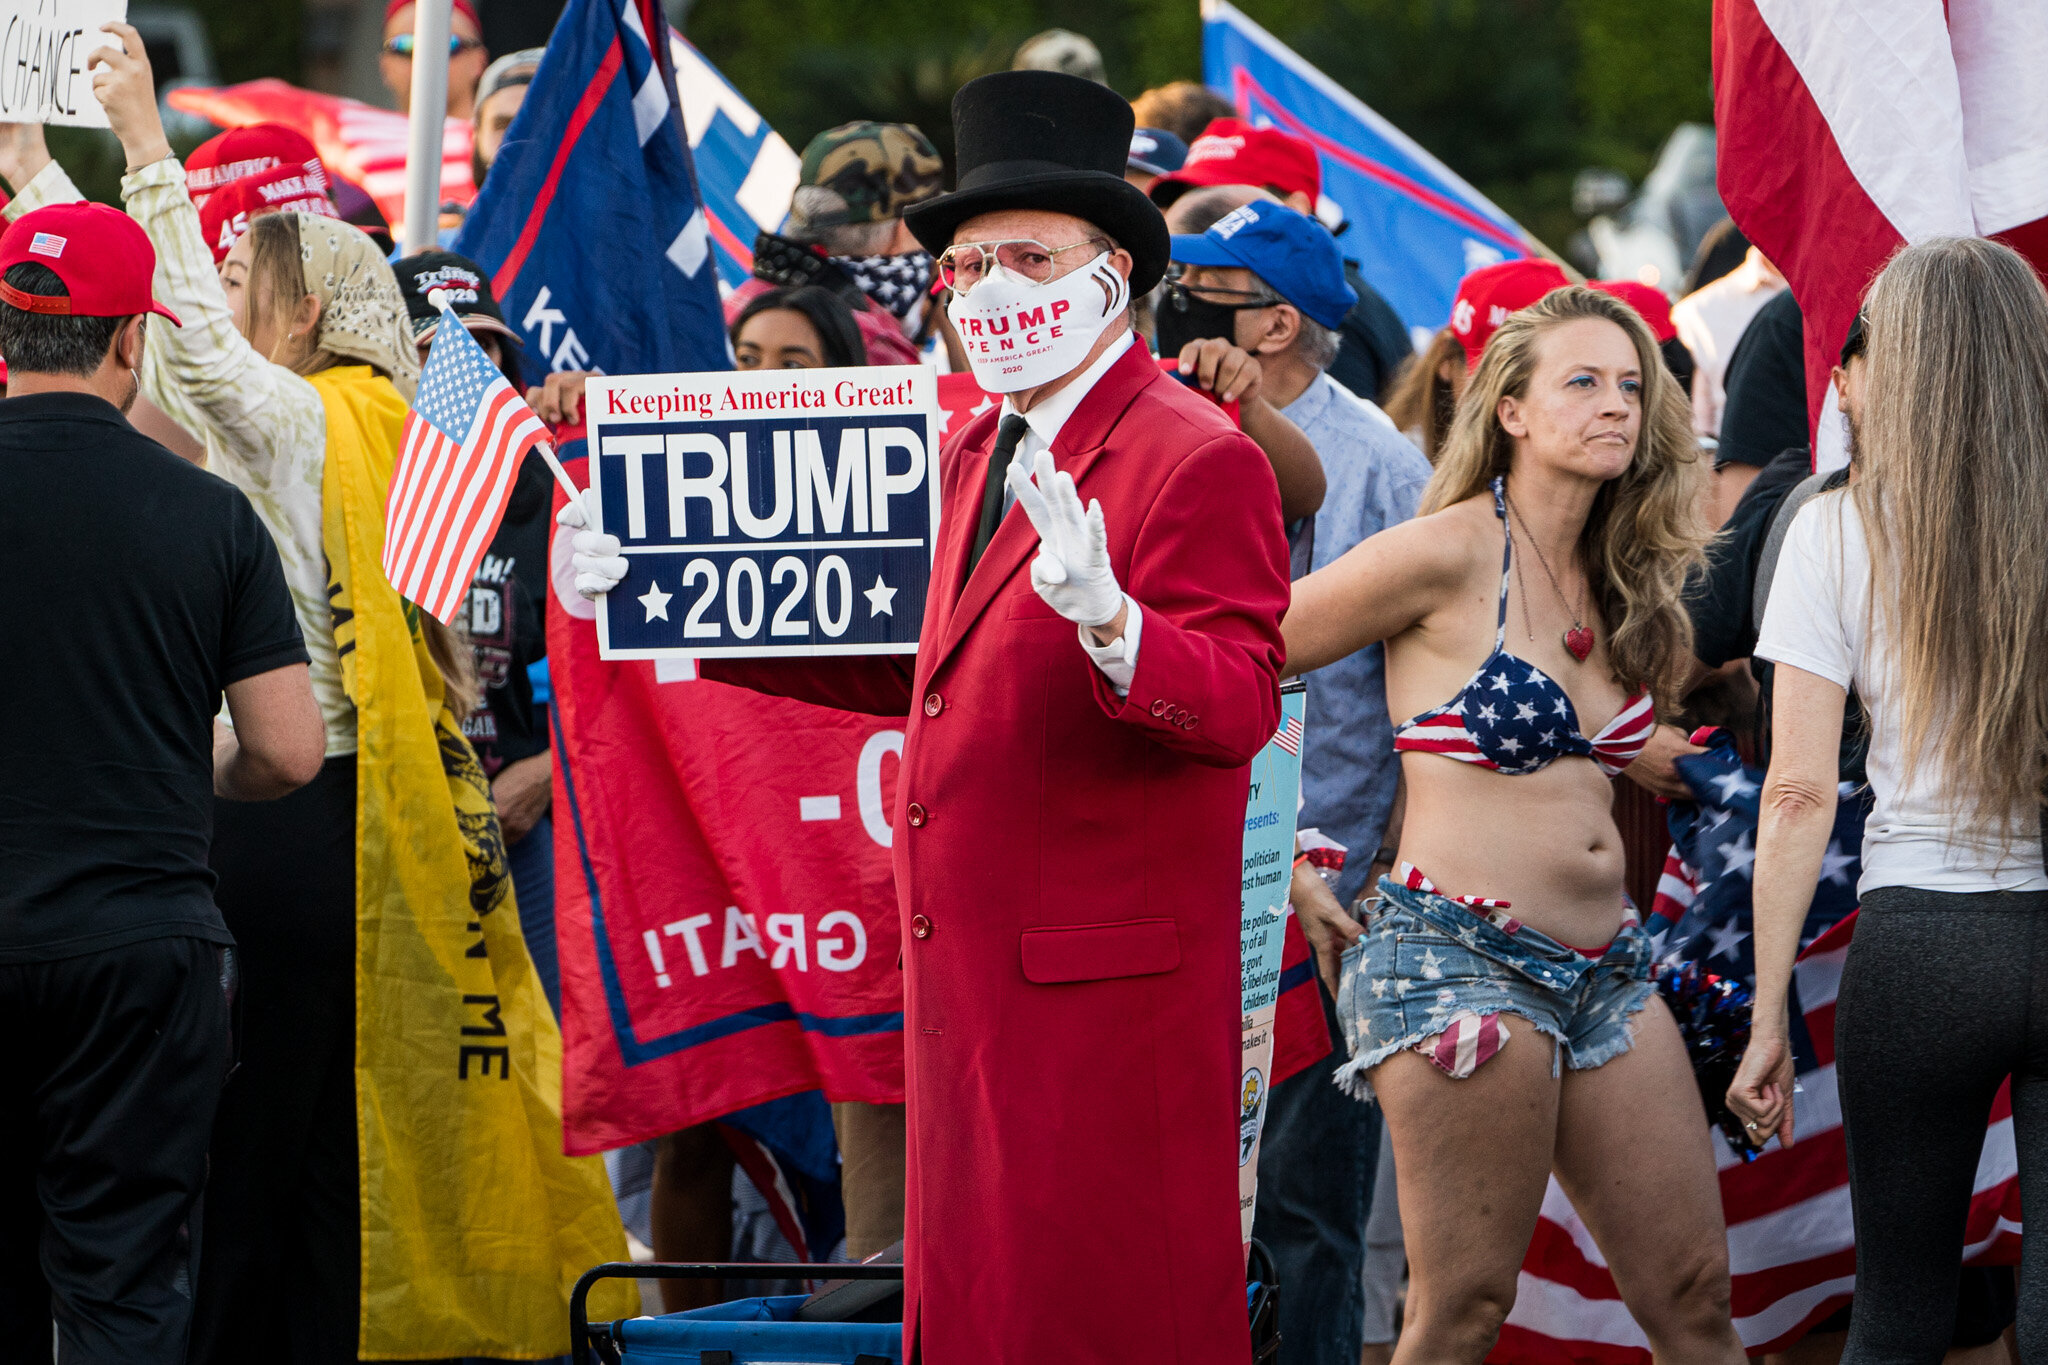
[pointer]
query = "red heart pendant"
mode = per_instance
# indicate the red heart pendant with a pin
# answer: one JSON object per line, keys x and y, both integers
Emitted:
{"x": 1579, "y": 641}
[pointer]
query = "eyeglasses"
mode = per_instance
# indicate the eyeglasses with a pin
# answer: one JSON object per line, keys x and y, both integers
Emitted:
{"x": 402, "y": 44}
{"x": 1179, "y": 294}
{"x": 962, "y": 265}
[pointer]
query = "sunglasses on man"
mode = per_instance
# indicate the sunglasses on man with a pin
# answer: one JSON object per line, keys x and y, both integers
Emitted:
{"x": 401, "y": 45}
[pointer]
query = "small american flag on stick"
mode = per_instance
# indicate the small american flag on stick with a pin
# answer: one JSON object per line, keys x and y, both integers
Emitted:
{"x": 1289, "y": 737}
{"x": 464, "y": 438}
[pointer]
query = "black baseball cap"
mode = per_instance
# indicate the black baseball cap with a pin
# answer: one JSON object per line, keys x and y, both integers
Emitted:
{"x": 1857, "y": 342}
{"x": 467, "y": 287}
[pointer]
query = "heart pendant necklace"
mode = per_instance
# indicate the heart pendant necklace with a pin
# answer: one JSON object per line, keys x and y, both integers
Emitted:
{"x": 1578, "y": 640}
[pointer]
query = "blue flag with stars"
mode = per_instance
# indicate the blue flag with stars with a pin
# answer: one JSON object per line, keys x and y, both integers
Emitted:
{"x": 590, "y": 221}
{"x": 1713, "y": 861}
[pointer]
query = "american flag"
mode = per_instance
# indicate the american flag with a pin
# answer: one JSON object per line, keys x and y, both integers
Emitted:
{"x": 464, "y": 439}
{"x": 1791, "y": 1240}
{"x": 1290, "y": 734}
{"x": 1847, "y": 130}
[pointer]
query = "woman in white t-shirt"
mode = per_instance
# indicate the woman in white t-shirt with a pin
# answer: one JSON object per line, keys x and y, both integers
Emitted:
{"x": 1924, "y": 585}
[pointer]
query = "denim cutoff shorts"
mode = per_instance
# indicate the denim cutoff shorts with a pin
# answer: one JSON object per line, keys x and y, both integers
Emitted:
{"x": 1431, "y": 975}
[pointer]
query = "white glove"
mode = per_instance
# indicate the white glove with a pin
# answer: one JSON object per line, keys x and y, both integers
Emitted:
{"x": 1072, "y": 570}
{"x": 597, "y": 561}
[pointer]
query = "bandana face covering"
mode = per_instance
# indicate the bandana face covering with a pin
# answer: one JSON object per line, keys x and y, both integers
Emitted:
{"x": 1019, "y": 334}
{"x": 897, "y": 283}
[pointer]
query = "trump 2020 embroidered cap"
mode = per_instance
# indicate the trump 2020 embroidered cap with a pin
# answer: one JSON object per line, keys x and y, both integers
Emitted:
{"x": 102, "y": 255}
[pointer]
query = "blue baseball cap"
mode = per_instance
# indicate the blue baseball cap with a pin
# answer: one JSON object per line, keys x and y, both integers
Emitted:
{"x": 1156, "y": 151}
{"x": 1294, "y": 254}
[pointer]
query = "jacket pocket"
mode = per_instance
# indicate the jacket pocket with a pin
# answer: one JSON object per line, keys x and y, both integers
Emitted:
{"x": 1100, "y": 952}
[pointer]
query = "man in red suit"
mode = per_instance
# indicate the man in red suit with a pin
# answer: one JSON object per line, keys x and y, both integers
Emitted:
{"x": 1092, "y": 680}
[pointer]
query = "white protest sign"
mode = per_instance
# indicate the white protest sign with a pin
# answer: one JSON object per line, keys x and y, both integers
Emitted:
{"x": 46, "y": 49}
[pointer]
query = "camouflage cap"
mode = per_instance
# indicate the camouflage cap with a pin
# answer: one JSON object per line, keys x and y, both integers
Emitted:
{"x": 877, "y": 169}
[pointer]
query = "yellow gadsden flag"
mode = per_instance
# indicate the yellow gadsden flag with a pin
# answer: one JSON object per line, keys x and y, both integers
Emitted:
{"x": 475, "y": 1225}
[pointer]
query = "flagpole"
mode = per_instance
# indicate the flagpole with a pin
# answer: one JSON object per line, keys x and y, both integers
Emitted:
{"x": 430, "y": 27}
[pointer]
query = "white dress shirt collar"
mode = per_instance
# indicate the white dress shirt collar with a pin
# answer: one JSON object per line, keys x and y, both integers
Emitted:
{"x": 1045, "y": 419}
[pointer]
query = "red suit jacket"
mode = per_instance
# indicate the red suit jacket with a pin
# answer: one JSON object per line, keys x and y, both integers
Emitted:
{"x": 1067, "y": 863}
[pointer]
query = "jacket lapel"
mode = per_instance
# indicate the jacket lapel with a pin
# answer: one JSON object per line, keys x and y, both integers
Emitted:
{"x": 1081, "y": 443}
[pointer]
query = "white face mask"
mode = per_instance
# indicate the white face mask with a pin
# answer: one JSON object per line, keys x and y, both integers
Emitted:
{"x": 1019, "y": 334}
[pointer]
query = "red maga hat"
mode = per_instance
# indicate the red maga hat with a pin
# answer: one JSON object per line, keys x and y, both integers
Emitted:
{"x": 254, "y": 150}
{"x": 1486, "y": 298}
{"x": 1232, "y": 152}
{"x": 102, "y": 255}
{"x": 1650, "y": 302}
{"x": 287, "y": 189}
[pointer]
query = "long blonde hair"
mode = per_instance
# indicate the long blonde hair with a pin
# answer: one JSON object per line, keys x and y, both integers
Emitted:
{"x": 1953, "y": 447}
{"x": 1422, "y": 402}
{"x": 1646, "y": 533}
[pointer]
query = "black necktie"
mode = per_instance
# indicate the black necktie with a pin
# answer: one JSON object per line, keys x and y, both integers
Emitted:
{"x": 1007, "y": 436}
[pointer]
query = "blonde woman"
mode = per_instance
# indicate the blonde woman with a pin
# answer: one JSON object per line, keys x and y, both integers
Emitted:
{"x": 1922, "y": 585}
{"x": 1499, "y": 1003}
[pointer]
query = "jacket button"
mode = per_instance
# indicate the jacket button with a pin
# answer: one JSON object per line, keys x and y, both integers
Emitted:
{"x": 933, "y": 704}
{"x": 915, "y": 814}
{"x": 920, "y": 927}
{"x": 1158, "y": 708}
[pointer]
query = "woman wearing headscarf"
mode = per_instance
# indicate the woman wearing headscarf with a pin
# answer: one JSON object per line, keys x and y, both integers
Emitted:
{"x": 356, "y": 1166}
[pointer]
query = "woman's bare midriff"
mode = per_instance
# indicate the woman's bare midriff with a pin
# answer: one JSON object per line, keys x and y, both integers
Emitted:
{"x": 1544, "y": 841}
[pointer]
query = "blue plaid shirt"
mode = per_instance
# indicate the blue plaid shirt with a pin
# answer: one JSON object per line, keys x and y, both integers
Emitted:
{"x": 1349, "y": 771}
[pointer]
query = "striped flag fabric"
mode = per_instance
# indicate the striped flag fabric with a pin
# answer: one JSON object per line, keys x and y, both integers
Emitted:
{"x": 1791, "y": 1238}
{"x": 1845, "y": 130}
{"x": 1289, "y": 737}
{"x": 359, "y": 142}
{"x": 464, "y": 438}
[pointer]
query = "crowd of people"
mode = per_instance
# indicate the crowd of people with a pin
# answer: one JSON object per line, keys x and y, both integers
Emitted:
{"x": 205, "y": 395}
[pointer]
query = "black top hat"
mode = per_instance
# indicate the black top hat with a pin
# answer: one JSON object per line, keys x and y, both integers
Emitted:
{"x": 1046, "y": 140}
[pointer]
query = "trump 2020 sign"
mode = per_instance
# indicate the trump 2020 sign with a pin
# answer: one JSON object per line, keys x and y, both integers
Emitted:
{"x": 767, "y": 512}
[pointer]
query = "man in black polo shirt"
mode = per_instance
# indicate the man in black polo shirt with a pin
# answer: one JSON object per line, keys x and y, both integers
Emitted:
{"x": 137, "y": 589}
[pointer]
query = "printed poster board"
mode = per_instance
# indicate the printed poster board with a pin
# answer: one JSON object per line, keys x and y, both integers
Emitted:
{"x": 1270, "y": 807}
{"x": 46, "y": 49}
{"x": 766, "y": 513}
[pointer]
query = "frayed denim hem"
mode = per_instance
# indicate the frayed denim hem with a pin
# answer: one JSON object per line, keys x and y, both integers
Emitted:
{"x": 1351, "y": 1077}
{"x": 1624, "y": 1037}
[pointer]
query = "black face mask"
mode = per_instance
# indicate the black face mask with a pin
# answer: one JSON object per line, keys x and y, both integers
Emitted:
{"x": 1183, "y": 317}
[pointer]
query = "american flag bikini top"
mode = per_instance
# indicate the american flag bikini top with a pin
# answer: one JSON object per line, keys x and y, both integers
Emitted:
{"x": 1514, "y": 718}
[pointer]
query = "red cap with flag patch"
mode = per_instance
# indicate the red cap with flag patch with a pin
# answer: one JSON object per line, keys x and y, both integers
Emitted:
{"x": 254, "y": 150}
{"x": 287, "y": 189}
{"x": 1232, "y": 152}
{"x": 102, "y": 255}
{"x": 1486, "y": 298}
{"x": 1650, "y": 302}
